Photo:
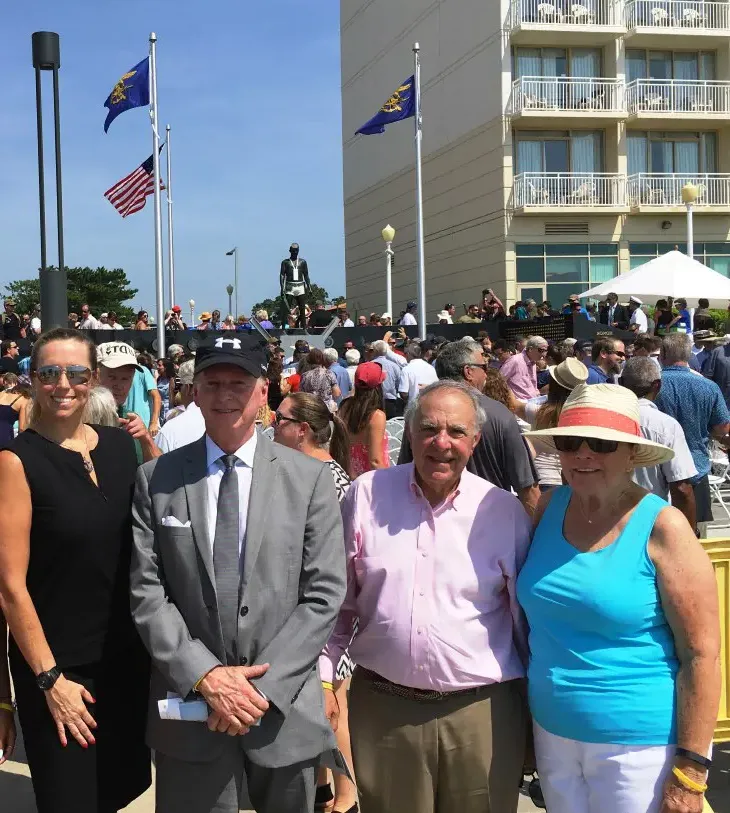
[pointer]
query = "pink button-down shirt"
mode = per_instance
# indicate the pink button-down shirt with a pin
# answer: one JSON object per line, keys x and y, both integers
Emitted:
{"x": 433, "y": 588}
{"x": 521, "y": 375}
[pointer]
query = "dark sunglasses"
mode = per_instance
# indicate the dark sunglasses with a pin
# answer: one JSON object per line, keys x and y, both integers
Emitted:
{"x": 568, "y": 443}
{"x": 484, "y": 367}
{"x": 75, "y": 373}
{"x": 278, "y": 418}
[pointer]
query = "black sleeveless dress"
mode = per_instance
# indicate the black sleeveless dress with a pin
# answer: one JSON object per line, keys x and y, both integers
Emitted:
{"x": 78, "y": 579}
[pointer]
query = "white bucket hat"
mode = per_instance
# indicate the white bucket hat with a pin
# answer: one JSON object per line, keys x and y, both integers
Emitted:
{"x": 607, "y": 412}
{"x": 569, "y": 373}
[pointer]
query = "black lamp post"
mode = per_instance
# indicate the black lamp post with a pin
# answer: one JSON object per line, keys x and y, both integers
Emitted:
{"x": 54, "y": 302}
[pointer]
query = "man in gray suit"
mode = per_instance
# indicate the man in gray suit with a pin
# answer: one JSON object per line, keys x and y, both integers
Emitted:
{"x": 238, "y": 574}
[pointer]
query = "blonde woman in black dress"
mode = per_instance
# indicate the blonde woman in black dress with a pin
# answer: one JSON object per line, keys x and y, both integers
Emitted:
{"x": 79, "y": 670}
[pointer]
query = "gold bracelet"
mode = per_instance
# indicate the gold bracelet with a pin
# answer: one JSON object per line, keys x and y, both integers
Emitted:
{"x": 8, "y": 707}
{"x": 327, "y": 685}
{"x": 688, "y": 783}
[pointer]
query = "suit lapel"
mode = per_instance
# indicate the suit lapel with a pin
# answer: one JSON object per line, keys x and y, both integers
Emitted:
{"x": 264, "y": 476}
{"x": 196, "y": 491}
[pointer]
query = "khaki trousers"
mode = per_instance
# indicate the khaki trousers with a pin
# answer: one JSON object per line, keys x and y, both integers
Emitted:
{"x": 455, "y": 755}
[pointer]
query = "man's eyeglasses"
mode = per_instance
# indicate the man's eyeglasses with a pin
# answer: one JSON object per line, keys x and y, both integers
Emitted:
{"x": 75, "y": 374}
{"x": 279, "y": 418}
{"x": 484, "y": 366}
{"x": 619, "y": 353}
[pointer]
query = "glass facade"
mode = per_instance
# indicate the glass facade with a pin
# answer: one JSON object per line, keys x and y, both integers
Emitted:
{"x": 713, "y": 255}
{"x": 565, "y": 268}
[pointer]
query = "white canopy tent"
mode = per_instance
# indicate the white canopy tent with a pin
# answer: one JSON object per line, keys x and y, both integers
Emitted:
{"x": 673, "y": 274}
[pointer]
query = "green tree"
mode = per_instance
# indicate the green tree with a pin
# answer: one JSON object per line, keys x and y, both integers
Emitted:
{"x": 102, "y": 289}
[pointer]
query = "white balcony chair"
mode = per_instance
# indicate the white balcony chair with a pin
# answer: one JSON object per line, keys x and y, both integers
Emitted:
{"x": 394, "y": 432}
{"x": 547, "y": 13}
{"x": 584, "y": 194}
{"x": 659, "y": 16}
{"x": 654, "y": 101}
{"x": 532, "y": 102}
{"x": 580, "y": 15}
{"x": 654, "y": 195}
{"x": 718, "y": 478}
{"x": 691, "y": 17}
{"x": 538, "y": 197}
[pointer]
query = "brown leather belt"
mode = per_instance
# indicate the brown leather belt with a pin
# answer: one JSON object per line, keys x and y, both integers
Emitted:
{"x": 385, "y": 686}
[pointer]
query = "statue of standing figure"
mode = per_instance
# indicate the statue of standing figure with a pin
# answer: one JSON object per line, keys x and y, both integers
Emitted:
{"x": 294, "y": 284}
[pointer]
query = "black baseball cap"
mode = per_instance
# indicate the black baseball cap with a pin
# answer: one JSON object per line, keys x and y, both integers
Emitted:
{"x": 246, "y": 352}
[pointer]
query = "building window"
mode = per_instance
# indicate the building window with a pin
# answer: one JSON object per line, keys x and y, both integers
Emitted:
{"x": 576, "y": 151}
{"x": 554, "y": 62}
{"x": 563, "y": 269}
{"x": 677, "y": 65}
{"x": 672, "y": 153}
{"x": 713, "y": 255}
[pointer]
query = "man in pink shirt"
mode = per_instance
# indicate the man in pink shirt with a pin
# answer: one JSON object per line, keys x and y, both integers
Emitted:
{"x": 520, "y": 371}
{"x": 437, "y": 707}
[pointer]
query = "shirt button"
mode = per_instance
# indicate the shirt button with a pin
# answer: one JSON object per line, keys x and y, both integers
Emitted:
{"x": 244, "y": 611}
{"x": 421, "y": 592}
{"x": 420, "y": 630}
{"x": 243, "y": 661}
{"x": 424, "y": 553}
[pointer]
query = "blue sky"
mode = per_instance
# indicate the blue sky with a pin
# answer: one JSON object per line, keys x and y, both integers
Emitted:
{"x": 252, "y": 93}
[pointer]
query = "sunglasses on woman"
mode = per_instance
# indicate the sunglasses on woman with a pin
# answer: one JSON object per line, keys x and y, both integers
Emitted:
{"x": 279, "y": 418}
{"x": 75, "y": 373}
{"x": 565, "y": 443}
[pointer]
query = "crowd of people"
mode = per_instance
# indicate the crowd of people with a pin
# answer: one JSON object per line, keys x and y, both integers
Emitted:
{"x": 522, "y": 591}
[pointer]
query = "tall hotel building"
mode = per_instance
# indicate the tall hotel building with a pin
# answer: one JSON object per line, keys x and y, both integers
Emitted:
{"x": 558, "y": 135}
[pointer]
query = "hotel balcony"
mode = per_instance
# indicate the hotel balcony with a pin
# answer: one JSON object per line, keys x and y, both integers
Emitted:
{"x": 660, "y": 22}
{"x": 555, "y": 99}
{"x": 654, "y": 192}
{"x": 563, "y": 22}
{"x": 656, "y": 102}
{"x": 545, "y": 193}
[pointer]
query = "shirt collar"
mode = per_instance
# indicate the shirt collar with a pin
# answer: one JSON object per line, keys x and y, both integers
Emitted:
{"x": 647, "y": 403}
{"x": 417, "y": 493}
{"x": 527, "y": 359}
{"x": 245, "y": 454}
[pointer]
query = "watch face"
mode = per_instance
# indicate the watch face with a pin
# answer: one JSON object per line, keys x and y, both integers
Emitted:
{"x": 46, "y": 680}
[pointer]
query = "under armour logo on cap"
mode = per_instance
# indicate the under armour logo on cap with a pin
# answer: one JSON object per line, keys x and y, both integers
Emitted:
{"x": 235, "y": 343}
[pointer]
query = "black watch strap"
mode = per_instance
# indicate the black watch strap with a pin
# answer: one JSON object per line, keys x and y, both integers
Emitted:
{"x": 694, "y": 757}
{"x": 47, "y": 680}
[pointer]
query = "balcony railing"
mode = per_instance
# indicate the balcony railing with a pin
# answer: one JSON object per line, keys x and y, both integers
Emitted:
{"x": 653, "y": 189}
{"x": 677, "y": 96}
{"x": 569, "y": 190}
{"x": 565, "y": 12}
{"x": 707, "y": 15}
{"x": 567, "y": 94}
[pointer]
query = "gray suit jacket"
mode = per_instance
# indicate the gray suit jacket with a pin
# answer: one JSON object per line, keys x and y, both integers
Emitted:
{"x": 293, "y": 586}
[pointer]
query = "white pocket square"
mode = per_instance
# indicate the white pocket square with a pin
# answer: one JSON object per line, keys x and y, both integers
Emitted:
{"x": 174, "y": 522}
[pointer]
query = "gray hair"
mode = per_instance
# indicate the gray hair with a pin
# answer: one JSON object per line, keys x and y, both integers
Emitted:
{"x": 453, "y": 358}
{"x": 536, "y": 341}
{"x": 186, "y": 372}
{"x": 331, "y": 354}
{"x": 380, "y": 348}
{"x": 175, "y": 350}
{"x": 101, "y": 408}
{"x": 676, "y": 347}
{"x": 413, "y": 351}
{"x": 413, "y": 409}
{"x": 639, "y": 375}
{"x": 352, "y": 356}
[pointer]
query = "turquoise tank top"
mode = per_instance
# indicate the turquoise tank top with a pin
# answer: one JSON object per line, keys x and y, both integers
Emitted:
{"x": 603, "y": 663}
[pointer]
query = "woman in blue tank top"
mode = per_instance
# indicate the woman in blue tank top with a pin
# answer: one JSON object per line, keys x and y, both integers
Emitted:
{"x": 624, "y": 677}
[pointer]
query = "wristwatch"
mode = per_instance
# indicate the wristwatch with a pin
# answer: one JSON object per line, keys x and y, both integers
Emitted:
{"x": 47, "y": 680}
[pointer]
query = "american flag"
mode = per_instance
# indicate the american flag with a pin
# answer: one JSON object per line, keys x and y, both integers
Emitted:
{"x": 130, "y": 194}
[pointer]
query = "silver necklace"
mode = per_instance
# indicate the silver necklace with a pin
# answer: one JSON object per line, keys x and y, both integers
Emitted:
{"x": 587, "y": 518}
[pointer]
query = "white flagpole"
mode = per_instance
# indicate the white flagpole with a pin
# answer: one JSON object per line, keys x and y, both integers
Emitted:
{"x": 159, "y": 281}
{"x": 170, "y": 239}
{"x": 419, "y": 197}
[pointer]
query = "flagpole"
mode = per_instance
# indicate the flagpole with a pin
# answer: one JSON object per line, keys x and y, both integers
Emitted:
{"x": 419, "y": 197}
{"x": 159, "y": 281}
{"x": 170, "y": 239}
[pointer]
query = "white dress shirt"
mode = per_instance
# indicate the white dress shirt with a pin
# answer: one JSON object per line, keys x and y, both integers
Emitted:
{"x": 244, "y": 472}
{"x": 184, "y": 429}
{"x": 638, "y": 317}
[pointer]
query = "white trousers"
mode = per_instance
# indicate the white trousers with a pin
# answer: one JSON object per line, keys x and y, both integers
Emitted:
{"x": 587, "y": 777}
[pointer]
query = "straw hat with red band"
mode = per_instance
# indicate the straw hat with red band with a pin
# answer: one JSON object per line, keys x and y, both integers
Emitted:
{"x": 608, "y": 412}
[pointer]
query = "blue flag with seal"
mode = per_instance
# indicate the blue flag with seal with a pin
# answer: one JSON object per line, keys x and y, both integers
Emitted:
{"x": 132, "y": 90}
{"x": 401, "y": 105}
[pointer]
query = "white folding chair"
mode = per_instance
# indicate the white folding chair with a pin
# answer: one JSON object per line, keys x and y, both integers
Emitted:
{"x": 717, "y": 478}
{"x": 394, "y": 432}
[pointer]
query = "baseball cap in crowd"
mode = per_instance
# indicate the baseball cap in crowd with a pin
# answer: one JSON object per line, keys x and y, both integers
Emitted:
{"x": 582, "y": 346}
{"x": 116, "y": 354}
{"x": 369, "y": 375}
{"x": 104, "y": 316}
{"x": 246, "y": 352}
{"x": 428, "y": 344}
{"x": 176, "y": 309}
{"x": 411, "y": 305}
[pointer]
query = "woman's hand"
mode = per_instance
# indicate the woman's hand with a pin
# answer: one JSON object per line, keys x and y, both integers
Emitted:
{"x": 678, "y": 799}
{"x": 67, "y": 703}
{"x": 7, "y": 735}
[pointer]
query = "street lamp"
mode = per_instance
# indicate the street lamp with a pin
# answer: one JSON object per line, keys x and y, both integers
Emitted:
{"x": 690, "y": 193}
{"x": 234, "y": 253}
{"x": 229, "y": 291}
{"x": 192, "y": 312}
{"x": 54, "y": 301}
{"x": 389, "y": 235}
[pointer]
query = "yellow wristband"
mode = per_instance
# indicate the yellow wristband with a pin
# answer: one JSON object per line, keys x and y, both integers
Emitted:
{"x": 327, "y": 685}
{"x": 7, "y": 707}
{"x": 688, "y": 783}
